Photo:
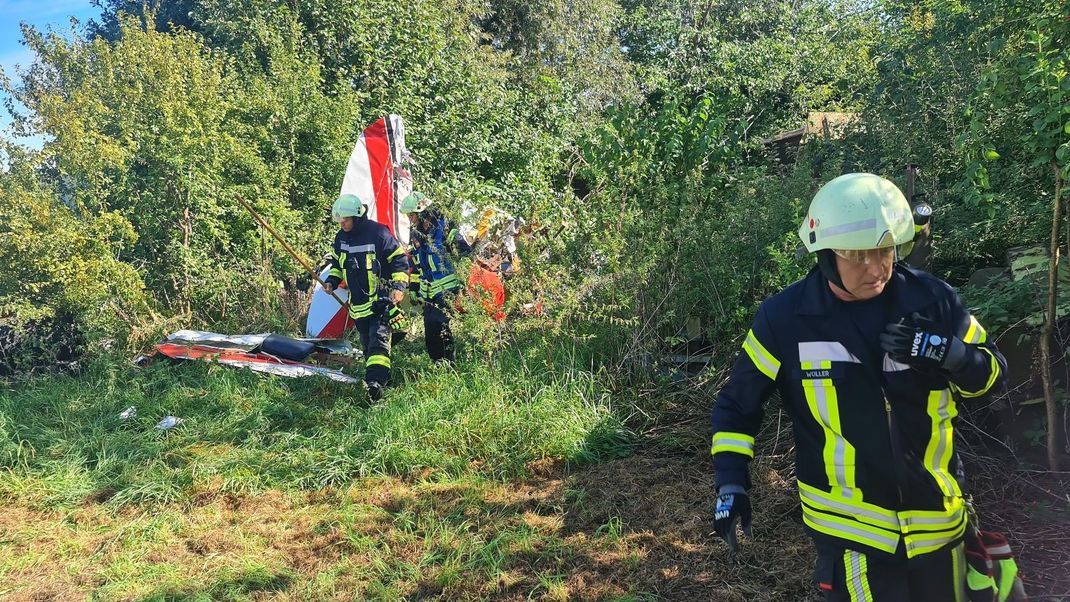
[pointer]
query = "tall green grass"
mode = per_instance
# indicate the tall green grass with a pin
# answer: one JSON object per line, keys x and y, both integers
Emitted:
{"x": 62, "y": 441}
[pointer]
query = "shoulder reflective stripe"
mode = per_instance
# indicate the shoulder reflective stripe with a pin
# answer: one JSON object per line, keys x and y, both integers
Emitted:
{"x": 839, "y": 454}
{"x": 938, "y": 451}
{"x": 851, "y": 530}
{"x": 923, "y": 543}
{"x": 891, "y": 365}
{"x": 378, "y": 360}
{"x": 821, "y": 351}
{"x": 733, "y": 442}
{"x": 993, "y": 374}
{"x": 857, "y": 580}
{"x": 763, "y": 360}
{"x": 357, "y": 248}
{"x": 397, "y": 251}
{"x": 869, "y": 513}
{"x": 975, "y": 333}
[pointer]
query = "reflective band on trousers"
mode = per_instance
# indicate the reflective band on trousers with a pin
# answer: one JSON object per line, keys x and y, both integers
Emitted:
{"x": 939, "y": 450}
{"x": 763, "y": 360}
{"x": 739, "y": 443}
{"x": 855, "y": 572}
{"x": 377, "y": 360}
{"x": 839, "y": 454}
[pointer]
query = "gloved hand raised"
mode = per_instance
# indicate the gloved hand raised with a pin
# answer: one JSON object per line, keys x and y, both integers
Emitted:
{"x": 922, "y": 343}
{"x": 732, "y": 505}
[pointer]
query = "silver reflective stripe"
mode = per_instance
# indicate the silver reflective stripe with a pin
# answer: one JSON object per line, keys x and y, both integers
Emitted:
{"x": 839, "y": 445}
{"x": 942, "y": 443}
{"x": 866, "y": 224}
{"x": 915, "y": 542}
{"x": 891, "y": 365}
{"x": 348, "y": 248}
{"x": 850, "y": 509}
{"x": 825, "y": 351}
{"x": 856, "y": 582}
{"x": 858, "y": 535}
{"x": 937, "y": 521}
{"x": 1003, "y": 549}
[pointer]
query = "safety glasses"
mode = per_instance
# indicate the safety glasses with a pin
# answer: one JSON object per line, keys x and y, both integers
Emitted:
{"x": 868, "y": 256}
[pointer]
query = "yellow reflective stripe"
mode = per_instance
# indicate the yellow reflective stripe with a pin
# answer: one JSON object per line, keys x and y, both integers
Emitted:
{"x": 923, "y": 543}
{"x": 763, "y": 360}
{"x": 453, "y": 234}
{"x": 377, "y": 360}
{"x": 851, "y": 530}
{"x": 399, "y": 277}
{"x": 975, "y": 333}
{"x": 1008, "y": 572}
{"x": 865, "y": 512}
{"x": 414, "y": 277}
{"x": 958, "y": 577}
{"x": 334, "y": 273}
{"x": 857, "y": 581}
{"x": 739, "y": 443}
{"x": 431, "y": 261}
{"x": 342, "y": 263}
{"x": 838, "y": 453}
{"x": 934, "y": 520}
{"x": 941, "y": 409}
{"x": 978, "y": 581}
{"x": 397, "y": 251}
{"x": 993, "y": 374}
{"x": 360, "y": 311}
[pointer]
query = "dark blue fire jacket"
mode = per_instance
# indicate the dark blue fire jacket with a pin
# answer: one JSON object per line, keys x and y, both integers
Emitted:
{"x": 875, "y": 456}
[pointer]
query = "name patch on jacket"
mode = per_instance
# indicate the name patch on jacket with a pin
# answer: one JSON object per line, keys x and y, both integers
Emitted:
{"x": 819, "y": 373}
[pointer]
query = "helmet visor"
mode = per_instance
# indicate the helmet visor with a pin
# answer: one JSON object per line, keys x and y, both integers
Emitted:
{"x": 868, "y": 256}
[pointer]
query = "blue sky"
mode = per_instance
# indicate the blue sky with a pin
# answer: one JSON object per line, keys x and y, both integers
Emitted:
{"x": 42, "y": 14}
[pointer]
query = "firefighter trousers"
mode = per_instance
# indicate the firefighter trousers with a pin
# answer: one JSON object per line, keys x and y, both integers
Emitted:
{"x": 375, "y": 337}
{"x": 850, "y": 576}
{"x": 437, "y": 334}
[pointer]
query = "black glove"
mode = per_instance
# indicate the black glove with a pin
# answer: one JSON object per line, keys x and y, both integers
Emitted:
{"x": 380, "y": 306}
{"x": 732, "y": 505}
{"x": 922, "y": 343}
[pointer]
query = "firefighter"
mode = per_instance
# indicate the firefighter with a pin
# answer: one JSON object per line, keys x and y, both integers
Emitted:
{"x": 870, "y": 358}
{"x": 434, "y": 239}
{"x": 373, "y": 266}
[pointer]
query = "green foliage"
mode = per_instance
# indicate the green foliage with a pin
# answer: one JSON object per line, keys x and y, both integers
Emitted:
{"x": 54, "y": 265}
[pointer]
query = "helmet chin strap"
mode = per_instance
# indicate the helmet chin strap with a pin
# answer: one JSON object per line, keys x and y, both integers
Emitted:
{"x": 826, "y": 262}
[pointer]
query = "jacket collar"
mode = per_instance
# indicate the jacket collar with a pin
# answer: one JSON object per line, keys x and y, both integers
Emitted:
{"x": 908, "y": 294}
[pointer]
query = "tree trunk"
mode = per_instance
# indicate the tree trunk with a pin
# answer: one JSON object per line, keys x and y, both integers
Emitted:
{"x": 1049, "y": 325}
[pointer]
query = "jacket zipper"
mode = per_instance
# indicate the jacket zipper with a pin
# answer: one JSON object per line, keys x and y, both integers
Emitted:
{"x": 897, "y": 455}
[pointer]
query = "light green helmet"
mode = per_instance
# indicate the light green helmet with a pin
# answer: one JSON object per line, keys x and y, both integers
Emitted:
{"x": 347, "y": 205}
{"x": 857, "y": 212}
{"x": 414, "y": 203}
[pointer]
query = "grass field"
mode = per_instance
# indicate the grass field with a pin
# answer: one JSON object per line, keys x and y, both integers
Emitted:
{"x": 514, "y": 477}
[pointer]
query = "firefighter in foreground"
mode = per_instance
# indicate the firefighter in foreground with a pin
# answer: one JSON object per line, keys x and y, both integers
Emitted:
{"x": 372, "y": 264}
{"x": 434, "y": 238}
{"x": 869, "y": 358}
